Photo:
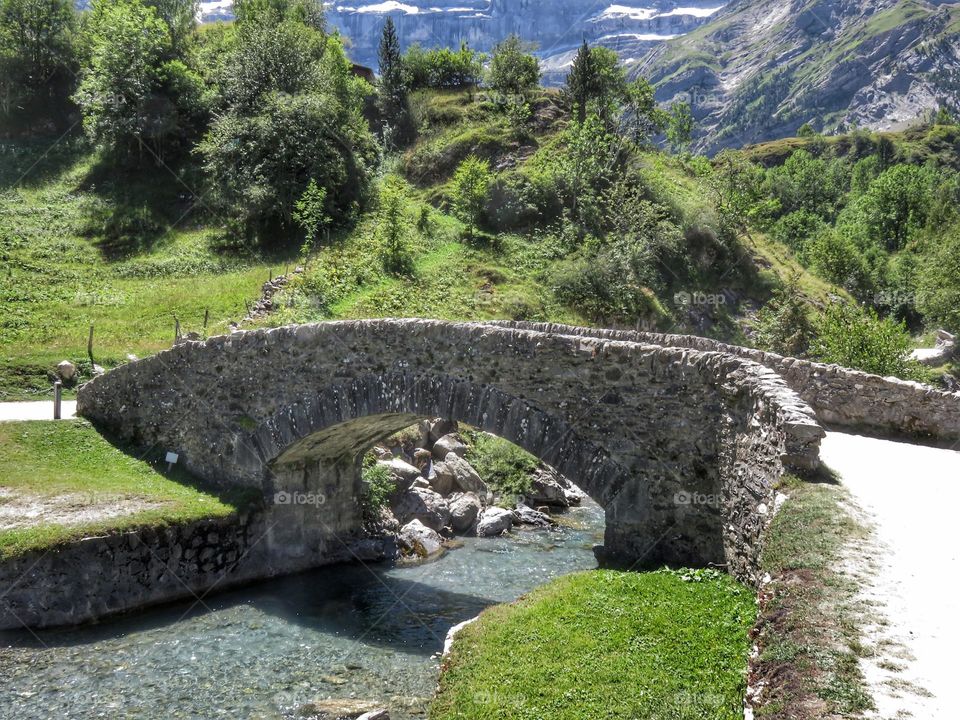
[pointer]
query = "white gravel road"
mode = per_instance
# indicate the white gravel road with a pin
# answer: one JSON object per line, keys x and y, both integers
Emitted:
{"x": 911, "y": 494}
{"x": 39, "y": 410}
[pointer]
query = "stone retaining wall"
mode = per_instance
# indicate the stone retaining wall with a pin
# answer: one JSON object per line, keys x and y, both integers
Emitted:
{"x": 95, "y": 577}
{"x": 98, "y": 576}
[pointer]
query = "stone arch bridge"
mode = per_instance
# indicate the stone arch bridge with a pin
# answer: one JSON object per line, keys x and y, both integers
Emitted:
{"x": 682, "y": 447}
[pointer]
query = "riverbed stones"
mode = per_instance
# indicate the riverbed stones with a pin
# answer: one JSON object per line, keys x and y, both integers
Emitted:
{"x": 465, "y": 508}
{"x": 494, "y": 521}
{"x": 402, "y": 472}
{"x": 545, "y": 490}
{"x": 461, "y": 474}
{"x": 417, "y": 540}
{"x": 375, "y": 715}
{"x": 337, "y": 709}
{"x": 424, "y": 505}
{"x": 449, "y": 444}
{"x": 528, "y": 516}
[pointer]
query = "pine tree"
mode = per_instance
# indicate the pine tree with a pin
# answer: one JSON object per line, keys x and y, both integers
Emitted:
{"x": 582, "y": 81}
{"x": 393, "y": 98}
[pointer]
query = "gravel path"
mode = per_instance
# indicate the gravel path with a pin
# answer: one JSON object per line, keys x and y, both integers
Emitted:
{"x": 40, "y": 410}
{"x": 911, "y": 495}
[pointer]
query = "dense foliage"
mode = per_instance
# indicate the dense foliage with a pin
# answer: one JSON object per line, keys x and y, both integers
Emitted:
{"x": 264, "y": 130}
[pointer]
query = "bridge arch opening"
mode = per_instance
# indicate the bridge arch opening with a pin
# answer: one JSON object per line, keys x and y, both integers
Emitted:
{"x": 315, "y": 448}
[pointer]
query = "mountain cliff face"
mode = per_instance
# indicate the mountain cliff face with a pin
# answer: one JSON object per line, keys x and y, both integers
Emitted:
{"x": 556, "y": 27}
{"x": 762, "y": 68}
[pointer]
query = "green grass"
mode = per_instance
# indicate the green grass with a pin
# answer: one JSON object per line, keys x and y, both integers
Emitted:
{"x": 605, "y": 644}
{"x": 507, "y": 469}
{"x": 124, "y": 252}
{"x": 809, "y": 627}
{"x": 47, "y": 459}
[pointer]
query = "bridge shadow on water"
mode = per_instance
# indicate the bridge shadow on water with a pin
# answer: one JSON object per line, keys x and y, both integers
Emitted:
{"x": 370, "y": 604}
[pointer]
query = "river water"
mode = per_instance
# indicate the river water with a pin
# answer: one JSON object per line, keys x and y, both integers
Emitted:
{"x": 369, "y": 632}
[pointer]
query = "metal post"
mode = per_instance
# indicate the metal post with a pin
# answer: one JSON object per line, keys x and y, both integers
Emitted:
{"x": 57, "y": 399}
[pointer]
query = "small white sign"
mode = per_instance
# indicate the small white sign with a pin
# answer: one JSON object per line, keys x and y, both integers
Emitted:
{"x": 172, "y": 458}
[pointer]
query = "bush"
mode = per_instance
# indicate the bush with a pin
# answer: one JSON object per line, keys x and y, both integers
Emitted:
{"x": 503, "y": 466}
{"x": 853, "y": 338}
{"x": 377, "y": 489}
{"x": 939, "y": 284}
{"x": 442, "y": 68}
{"x": 797, "y": 229}
{"x": 469, "y": 191}
{"x": 783, "y": 325}
{"x": 393, "y": 230}
{"x": 513, "y": 71}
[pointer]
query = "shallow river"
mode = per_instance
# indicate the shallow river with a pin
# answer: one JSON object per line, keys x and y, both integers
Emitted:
{"x": 260, "y": 652}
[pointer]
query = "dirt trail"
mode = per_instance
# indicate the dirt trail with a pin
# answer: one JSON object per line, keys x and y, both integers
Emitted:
{"x": 911, "y": 495}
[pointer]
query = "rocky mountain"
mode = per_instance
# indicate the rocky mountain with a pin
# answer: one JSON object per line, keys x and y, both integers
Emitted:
{"x": 556, "y": 27}
{"x": 760, "y": 69}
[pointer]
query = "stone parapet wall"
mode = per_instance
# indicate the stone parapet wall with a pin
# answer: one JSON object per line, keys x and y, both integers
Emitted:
{"x": 839, "y": 396}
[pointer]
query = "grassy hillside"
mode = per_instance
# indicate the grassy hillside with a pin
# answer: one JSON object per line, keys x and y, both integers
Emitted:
{"x": 126, "y": 253}
{"x": 131, "y": 251}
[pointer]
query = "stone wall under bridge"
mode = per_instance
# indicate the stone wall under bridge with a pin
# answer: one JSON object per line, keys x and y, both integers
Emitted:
{"x": 682, "y": 448}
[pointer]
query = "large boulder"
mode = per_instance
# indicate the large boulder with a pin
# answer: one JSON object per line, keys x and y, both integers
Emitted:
{"x": 424, "y": 505}
{"x": 66, "y": 370}
{"x": 438, "y": 428}
{"x": 553, "y": 490}
{"x": 422, "y": 459}
{"x": 464, "y": 511}
{"x": 461, "y": 475}
{"x": 419, "y": 541}
{"x": 494, "y": 521}
{"x": 441, "y": 483}
{"x": 449, "y": 444}
{"x": 402, "y": 472}
{"x": 528, "y": 516}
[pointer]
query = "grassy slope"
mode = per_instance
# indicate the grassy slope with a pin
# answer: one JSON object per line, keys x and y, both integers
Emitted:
{"x": 605, "y": 644}
{"x": 47, "y": 460}
{"x": 65, "y": 268}
{"x": 506, "y": 276}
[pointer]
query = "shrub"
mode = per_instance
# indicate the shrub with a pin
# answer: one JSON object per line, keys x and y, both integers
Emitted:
{"x": 442, "y": 67}
{"x": 470, "y": 189}
{"x": 513, "y": 71}
{"x": 506, "y": 468}
{"x": 797, "y": 229}
{"x": 377, "y": 489}
{"x": 939, "y": 284}
{"x": 783, "y": 325}
{"x": 853, "y": 338}
{"x": 393, "y": 230}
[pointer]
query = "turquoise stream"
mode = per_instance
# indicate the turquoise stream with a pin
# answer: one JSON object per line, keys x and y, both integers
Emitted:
{"x": 262, "y": 651}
